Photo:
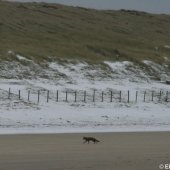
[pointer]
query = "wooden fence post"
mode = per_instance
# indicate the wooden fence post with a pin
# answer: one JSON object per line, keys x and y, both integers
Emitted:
{"x": 38, "y": 96}
{"x": 66, "y": 96}
{"x": 28, "y": 95}
{"x": 57, "y": 96}
{"x": 120, "y": 96}
{"x": 75, "y": 96}
{"x": 9, "y": 93}
{"x": 48, "y": 96}
{"x": 128, "y": 96}
{"x": 144, "y": 96}
{"x": 84, "y": 96}
{"x": 19, "y": 94}
{"x": 152, "y": 95}
{"x": 94, "y": 93}
{"x": 166, "y": 99}
{"x": 160, "y": 95}
{"x": 136, "y": 96}
{"x": 102, "y": 96}
{"x": 111, "y": 96}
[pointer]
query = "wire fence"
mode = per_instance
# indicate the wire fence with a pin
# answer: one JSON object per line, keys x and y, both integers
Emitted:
{"x": 86, "y": 96}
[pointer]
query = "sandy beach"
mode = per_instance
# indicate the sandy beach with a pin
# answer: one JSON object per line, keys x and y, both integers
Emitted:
{"x": 118, "y": 151}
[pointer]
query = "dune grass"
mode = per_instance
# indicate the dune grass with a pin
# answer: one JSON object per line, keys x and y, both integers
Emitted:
{"x": 44, "y": 30}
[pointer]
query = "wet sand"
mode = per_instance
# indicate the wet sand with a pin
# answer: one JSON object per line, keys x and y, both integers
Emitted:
{"x": 116, "y": 151}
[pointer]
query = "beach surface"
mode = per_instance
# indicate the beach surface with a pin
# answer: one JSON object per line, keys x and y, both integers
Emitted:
{"x": 118, "y": 151}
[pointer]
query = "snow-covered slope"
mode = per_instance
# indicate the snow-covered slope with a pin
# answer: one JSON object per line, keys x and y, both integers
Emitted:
{"x": 21, "y": 116}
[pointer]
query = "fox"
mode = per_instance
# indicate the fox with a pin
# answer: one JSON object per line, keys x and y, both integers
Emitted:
{"x": 88, "y": 139}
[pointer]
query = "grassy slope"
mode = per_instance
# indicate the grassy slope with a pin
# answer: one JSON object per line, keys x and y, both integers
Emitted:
{"x": 41, "y": 30}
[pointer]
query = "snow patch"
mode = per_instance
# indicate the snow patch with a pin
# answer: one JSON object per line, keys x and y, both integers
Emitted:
{"x": 22, "y": 58}
{"x": 167, "y": 46}
{"x": 119, "y": 66}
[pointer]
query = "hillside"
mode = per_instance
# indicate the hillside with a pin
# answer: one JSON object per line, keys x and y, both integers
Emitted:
{"x": 40, "y": 30}
{"x": 68, "y": 69}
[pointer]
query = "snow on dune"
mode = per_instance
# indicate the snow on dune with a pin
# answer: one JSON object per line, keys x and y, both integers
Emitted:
{"x": 62, "y": 117}
{"x": 21, "y": 116}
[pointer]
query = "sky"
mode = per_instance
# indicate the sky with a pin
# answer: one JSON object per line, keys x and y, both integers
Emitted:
{"x": 152, "y": 6}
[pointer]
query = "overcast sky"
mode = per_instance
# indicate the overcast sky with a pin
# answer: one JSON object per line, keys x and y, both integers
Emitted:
{"x": 153, "y": 6}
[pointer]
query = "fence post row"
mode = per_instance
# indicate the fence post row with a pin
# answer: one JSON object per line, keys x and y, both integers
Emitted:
{"x": 161, "y": 95}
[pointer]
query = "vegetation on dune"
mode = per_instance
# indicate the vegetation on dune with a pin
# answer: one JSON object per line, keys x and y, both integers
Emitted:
{"x": 41, "y": 30}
